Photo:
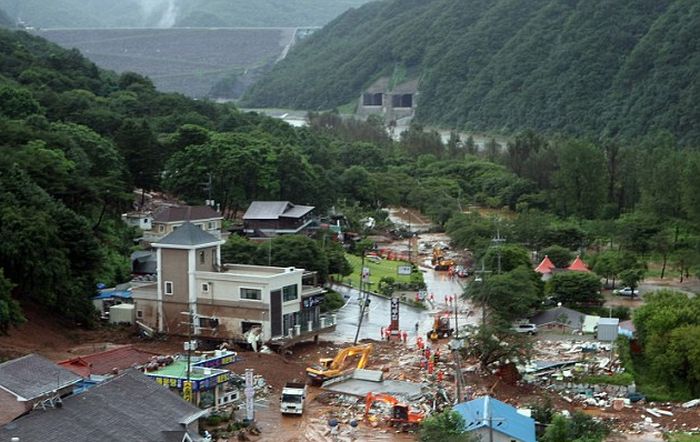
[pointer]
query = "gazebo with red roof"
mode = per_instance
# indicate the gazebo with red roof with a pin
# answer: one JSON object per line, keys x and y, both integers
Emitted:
{"x": 546, "y": 266}
{"x": 578, "y": 265}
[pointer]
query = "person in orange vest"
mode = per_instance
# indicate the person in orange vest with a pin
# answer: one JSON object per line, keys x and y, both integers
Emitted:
{"x": 431, "y": 367}
{"x": 440, "y": 376}
{"x": 404, "y": 336}
{"x": 419, "y": 343}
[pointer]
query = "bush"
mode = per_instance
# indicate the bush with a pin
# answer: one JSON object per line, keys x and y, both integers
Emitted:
{"x": 332, "y": 301}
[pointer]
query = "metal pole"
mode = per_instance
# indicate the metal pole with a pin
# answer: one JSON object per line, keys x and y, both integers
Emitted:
{"x": 456, "y": 323}
{"x": 189, "y": 344}
{"x": 362, "y": 300}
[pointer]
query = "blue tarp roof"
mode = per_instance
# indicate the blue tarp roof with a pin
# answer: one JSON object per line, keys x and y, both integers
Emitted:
{"x": 485, "y": 411}
{"x": 106, "y": 294}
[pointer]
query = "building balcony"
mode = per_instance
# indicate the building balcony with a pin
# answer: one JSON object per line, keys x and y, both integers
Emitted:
{"x": 326, "y": 324}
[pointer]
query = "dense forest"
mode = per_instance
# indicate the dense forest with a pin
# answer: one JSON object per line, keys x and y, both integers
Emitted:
{"x": 175, "y": 13}
{"x": 623, "y": 68}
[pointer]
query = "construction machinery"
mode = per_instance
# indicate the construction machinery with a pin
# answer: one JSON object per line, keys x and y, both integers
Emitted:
{"x": 438, "y": 255}
{"x": 329, "y": 368}
{"x": 441, "y": 326}
{"x": 401, "y": 415}
{"x": 440, "y": 261}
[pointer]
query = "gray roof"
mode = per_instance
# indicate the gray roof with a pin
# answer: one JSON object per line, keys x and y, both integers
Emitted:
{"x": 32, "y": 376}
{"x": 608, "y": 321}
{"x": 128, "y": 407}
{"x": 572, "y": 318}
{"x": 169, "y": 214}
{"x": 188, "y": 235}
{"x": 275, "y": 210}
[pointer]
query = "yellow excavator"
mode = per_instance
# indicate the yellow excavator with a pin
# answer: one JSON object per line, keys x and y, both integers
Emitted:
{"x": 329, "y": 368}
{"x": 439, "y": 261}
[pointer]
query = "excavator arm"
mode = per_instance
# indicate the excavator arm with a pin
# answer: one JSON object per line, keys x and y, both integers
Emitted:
{"x": 335, "y": 367}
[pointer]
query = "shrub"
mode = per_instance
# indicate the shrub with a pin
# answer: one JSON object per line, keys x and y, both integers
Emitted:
{"x": 332, "y": 301}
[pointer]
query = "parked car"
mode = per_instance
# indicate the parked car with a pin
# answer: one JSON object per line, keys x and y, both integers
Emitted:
{"x": 530, "y": 329}
{"x": 627, "y": 291}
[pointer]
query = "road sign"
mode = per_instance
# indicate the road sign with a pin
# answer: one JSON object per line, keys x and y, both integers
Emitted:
{"x": 365, "y": 274}
{"x": 404, "y": 270}
{"x": 394, "y": 313}
{"x": 187, "y": 391}
{"x": 249, "y": 395}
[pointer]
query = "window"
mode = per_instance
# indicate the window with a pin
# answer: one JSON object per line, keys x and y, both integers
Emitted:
{"x": 205, "y": 287}
{"x": 161, "y": 228}
{"x": 254, "y": 294}
{"x": 139, "y": 314}
{"x": 202, "y": 258}
{"x": 245, "y": 326}
{"x": 211, "y": 225}
{"x": 290, "y": 293}
{"x": 213, "y": 257}
{"x": 168, "y": 287}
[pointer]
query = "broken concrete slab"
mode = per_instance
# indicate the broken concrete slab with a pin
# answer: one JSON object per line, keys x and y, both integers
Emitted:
{"x": 358, "y": 387}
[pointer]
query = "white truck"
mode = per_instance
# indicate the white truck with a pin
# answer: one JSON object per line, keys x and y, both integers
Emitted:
{"x": 293, "y": 397}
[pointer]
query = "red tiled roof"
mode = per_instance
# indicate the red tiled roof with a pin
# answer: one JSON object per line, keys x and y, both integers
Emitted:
{"x": 171, "y": 214}
{"x": 545, "y": 266}
{"x": 578, "y": 265}
{"x": 104, "y": 362}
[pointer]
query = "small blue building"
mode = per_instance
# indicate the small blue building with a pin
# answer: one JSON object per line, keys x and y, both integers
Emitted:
{"x": 485, "y": 415}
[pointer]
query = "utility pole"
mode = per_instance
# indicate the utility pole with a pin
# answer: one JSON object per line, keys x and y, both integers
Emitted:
{"x": 497, "y": 241}
{"x": 363, "y": 300}
{"x": 483, "y": 273}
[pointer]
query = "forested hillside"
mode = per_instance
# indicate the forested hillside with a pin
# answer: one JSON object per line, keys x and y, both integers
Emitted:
{"x": 626, "y": 67}
{"x": 74, "y": 142}
{"x": 169, "y": 13}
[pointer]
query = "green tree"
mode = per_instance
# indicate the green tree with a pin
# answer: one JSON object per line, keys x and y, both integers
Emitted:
{"x": 510, "y": 296}
{"x": 631, "y": 277}
{"x": 447, "y": 426}
{"x": 580, "y": 427}
{"x": 239, "y": 250}
{"x": 338, "y": 264}
{"x": 510, "y": 256}
{"x": 495, "y": 344}
{"x": 294, "y": 251}
{"x": 574, "y": 288}
{"x": 608, "y": 265}
{"x": 10, "y": 310}
{"x": 580, "y": 181}
{"x": 17, "y": 102}
{"x": 560, "y": 256}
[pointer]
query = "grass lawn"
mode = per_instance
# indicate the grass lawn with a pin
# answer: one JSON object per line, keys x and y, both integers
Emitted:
{"x": 683, "y": 437}
{"x": 377, "y": 270}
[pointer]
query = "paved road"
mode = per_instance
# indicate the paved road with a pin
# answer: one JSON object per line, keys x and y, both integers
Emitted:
{"x": 378, "y": 315}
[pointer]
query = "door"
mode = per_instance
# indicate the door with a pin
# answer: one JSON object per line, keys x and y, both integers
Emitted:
{"x": 276, "y": 312}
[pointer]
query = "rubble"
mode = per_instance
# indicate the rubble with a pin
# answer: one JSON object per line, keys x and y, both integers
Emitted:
{"x": 691, "y": 404}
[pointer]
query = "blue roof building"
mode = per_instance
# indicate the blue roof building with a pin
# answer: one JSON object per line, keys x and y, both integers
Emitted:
{"x": 486, "y": 414}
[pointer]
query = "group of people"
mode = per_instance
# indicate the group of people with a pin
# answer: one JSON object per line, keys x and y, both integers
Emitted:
{"x": 429, "y": 358}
